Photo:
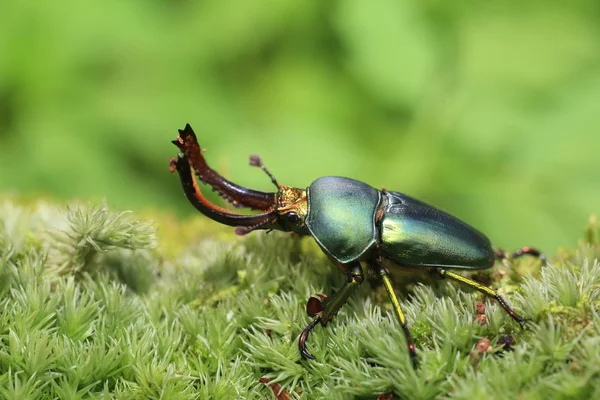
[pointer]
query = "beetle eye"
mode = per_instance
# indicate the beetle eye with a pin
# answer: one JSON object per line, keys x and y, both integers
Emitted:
{"x": 292, "y": 217}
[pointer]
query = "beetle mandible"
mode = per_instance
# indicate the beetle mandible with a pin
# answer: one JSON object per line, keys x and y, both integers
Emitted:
{"x": 353, "y": 223}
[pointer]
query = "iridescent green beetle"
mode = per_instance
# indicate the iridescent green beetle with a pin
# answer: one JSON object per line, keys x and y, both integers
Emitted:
{"x": 353, "y": 223}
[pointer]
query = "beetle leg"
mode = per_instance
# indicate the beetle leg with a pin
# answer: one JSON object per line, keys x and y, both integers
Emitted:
{"x": 387, "y": 282}
{"x": 504, "y": 255}
{"x": 483, "y": 289}
{"x": 326, "y": 308}
{"x": 304, "y": 337}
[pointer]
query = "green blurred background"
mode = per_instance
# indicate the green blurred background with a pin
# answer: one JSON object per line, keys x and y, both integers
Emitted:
{"x": 489, "y": 110}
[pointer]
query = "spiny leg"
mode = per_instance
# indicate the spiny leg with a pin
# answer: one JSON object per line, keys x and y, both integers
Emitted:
{"x": 443, "y": 273}
{"x": 504, "y": 255}
{"x": 387, "y": 282}
{"x": 323, "y": 310}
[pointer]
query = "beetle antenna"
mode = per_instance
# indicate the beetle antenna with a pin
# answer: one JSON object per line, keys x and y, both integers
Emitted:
{"x": 255, "y": 161}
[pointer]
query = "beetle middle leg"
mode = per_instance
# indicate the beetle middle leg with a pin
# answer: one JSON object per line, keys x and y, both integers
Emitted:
{"x": 323, "y": 310}
{"x": 443, "y": 273}
{"x": 387, "y": 282}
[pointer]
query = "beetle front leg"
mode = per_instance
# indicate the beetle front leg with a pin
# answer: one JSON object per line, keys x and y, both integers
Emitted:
{"x": 323, "y": 310}
{"x": 443, "y": 273}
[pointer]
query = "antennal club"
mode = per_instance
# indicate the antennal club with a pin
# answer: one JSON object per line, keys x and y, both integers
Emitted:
{"x": 255, "y": 161}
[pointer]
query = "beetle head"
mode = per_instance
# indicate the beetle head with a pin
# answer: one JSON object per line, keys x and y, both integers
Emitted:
{"x": 284, "y": 210}
{"x": 292, "y": 208}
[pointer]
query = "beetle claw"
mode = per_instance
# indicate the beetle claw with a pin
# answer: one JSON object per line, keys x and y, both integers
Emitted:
{"x": 524, "y": 323}
{"x": 304, "y": 336}
{"x": 305, "y": 354}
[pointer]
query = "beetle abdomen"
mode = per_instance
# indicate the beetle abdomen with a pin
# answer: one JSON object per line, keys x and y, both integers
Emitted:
{"x": 416, "y": 234}
{"x": 341, "y": 216}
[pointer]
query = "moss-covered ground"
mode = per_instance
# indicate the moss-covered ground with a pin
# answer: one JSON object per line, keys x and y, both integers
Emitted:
{"x": 102, "y": 304}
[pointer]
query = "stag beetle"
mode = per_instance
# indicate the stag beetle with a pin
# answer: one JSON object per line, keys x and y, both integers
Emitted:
{"x": 352, "y": 223}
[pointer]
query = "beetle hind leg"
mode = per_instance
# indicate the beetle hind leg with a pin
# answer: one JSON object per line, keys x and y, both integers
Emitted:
{"x": 443, "y": 273}
{"x": 323, "y": 309}
{"x": 505, "y": 255}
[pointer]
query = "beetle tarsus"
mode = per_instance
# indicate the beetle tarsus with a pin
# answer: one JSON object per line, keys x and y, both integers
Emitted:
{"x": 304, "y": 337}
{"x": 443, "y": 273}
{"x": 411, "y": 350}
{"x": 522, "y": 321}
{"x": 411, "y": 346}
{"x": 325, "y": 308}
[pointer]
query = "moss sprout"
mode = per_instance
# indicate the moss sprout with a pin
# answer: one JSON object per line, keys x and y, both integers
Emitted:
{"x": 92, "y": 308}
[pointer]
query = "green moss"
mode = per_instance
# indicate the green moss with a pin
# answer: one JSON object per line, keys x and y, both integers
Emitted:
{"x": 90, "y": 307}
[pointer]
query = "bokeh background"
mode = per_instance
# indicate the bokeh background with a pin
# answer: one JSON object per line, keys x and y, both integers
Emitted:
{"x": 489, "y": 110}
